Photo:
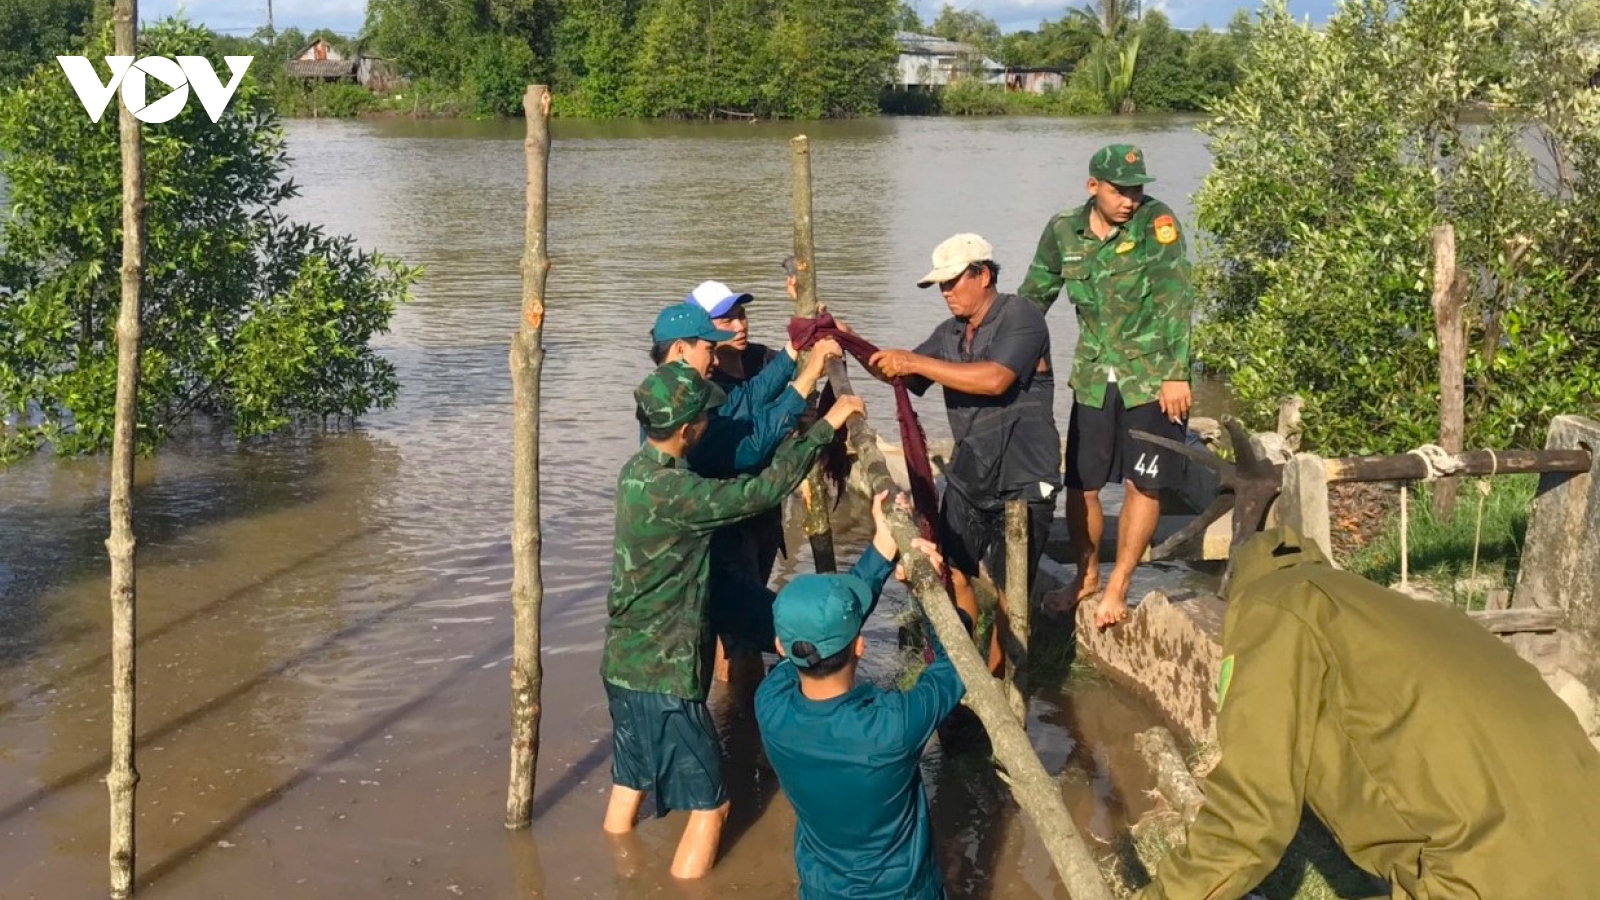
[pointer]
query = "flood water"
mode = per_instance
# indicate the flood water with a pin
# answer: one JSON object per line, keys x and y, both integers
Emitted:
{"x": 323, "y": 618}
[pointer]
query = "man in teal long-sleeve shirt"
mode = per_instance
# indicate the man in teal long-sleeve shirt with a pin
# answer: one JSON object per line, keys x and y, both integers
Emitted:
{"x": 846, "y": 754}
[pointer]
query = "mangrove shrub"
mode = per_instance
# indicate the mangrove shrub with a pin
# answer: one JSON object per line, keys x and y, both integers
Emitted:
{"x": 248, "y": 319}
{"x": 1335, "y": 158}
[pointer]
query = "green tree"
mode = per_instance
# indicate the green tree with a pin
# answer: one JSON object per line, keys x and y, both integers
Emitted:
{"x": 968, "y": 27}
{"x": 673, "y": 69}
{"x": 1336, "y": 156}
{"x": 33, "y": 32}
{"x": 905, "y": 18}
{"x": 1164, "y": 80}
{"x": 833, "y": 57}
{"x": 741, "y": 55}
{"x": 249, "y": 319}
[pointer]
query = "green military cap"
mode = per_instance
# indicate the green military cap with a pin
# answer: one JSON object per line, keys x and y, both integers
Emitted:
{"x": 825, "y": 611}
{"x": 1120, "y": 164}
{"x": 675, "y": 394}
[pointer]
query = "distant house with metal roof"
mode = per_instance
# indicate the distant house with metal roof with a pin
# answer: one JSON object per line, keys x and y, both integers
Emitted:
{"x": 321, "y": 61}
{"x": 928, "y": 61}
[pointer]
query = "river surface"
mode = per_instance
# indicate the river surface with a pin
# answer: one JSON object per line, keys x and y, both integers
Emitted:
{"x": 323, "y": 618}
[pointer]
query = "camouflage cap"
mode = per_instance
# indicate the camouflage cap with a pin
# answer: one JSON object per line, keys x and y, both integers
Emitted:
{"x": 1120, "y": 164}
{"x": 674, "y": 394}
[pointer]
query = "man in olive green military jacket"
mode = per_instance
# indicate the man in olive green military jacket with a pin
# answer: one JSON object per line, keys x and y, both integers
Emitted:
{"x": 1436, "y": 755}
{"x": 655, "y": 662}
{"x": 1121, "y": 259}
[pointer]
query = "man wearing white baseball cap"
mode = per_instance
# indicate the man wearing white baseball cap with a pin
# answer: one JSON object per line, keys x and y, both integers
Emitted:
{"x": 992, "y": 357}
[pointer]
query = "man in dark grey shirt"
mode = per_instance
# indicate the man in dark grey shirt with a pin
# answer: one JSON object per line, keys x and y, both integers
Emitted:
{"x": 992, "y": 357}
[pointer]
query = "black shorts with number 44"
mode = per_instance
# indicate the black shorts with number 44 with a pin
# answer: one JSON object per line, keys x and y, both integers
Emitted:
{"x": 1100, "y": 448}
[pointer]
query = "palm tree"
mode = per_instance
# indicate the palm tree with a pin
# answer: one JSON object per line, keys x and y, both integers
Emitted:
{"x": 1115, "y": 57}
{"x": 1108, "y": 18}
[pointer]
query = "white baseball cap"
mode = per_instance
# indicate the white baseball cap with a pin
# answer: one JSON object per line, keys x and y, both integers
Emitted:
{"x": 716, "y": 298}
{"x": 954, "y": 255}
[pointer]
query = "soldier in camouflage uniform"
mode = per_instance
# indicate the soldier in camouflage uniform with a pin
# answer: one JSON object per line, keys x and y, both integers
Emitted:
{"x": 1121, "y": 259}
{"x": 658, "y": 640}
{"x": 1437, "y": 757}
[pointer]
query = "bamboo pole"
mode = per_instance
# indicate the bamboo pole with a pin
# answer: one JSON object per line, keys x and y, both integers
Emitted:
{"x": 1014, "y": 603}
{"x": 124, "y": 776}
{"x": 1452, "y": 360}
{"x": 1035, "y": 791}
{"x": 527, "y": 362}
{"x": 814, "y": 492}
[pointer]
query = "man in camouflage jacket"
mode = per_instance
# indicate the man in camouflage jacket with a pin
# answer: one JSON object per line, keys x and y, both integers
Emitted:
{"x": 1121, "y": 259}
{"x": 655, "y": 662}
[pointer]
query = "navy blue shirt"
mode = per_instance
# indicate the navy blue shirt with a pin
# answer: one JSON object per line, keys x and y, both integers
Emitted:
{"x": 1007, "y": 447}
{"x": 849, "y": 768}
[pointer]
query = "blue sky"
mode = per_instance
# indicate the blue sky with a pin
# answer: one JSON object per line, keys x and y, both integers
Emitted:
{"x": 242, "y": 16}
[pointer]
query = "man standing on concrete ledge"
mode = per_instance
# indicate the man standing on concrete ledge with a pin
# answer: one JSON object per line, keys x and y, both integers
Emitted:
{"x": 992, "y": 357}
{"x": 1120, "y": 257}
{"x": 1437, "y": 757}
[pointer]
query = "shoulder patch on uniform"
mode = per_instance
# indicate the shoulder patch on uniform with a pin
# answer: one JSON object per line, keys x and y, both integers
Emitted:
{"x": 1166, "y": 229}
{"x": 1224, "y": 679}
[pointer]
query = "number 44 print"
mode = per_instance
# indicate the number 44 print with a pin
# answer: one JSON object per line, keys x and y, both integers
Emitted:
{"x": 1148, "y": 469}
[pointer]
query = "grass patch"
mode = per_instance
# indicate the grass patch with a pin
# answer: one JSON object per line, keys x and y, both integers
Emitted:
{"x": 1441, "y": 551}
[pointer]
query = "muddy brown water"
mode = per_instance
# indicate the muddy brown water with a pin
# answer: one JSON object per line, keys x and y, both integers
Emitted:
{"x": 324, "y": 626}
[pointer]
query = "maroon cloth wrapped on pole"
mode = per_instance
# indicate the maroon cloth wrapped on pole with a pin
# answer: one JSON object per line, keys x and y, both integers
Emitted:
{"x": 803, "y": 333}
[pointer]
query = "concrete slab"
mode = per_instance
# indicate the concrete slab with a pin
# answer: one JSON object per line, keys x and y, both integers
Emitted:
{"x": 1168, "y": 652}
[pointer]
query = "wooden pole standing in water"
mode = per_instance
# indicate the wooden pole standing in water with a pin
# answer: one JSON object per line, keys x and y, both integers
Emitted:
{"x": 814, "y": 491}
{"x": 527, "y": 361}
{"x": 123, "y": 777}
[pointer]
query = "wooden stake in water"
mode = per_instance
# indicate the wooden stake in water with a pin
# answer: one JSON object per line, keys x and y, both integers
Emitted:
{"x": 527, "y": 362}
{"x": 814, "y": 492}
{"x": 124, "y": 777}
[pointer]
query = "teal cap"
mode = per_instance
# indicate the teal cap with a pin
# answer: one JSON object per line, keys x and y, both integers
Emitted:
{"x": 674, "y": 394}
{"x": 682, "y": 321}
{"x": 1120, "y": 164}
{"x": 824, "y": 610}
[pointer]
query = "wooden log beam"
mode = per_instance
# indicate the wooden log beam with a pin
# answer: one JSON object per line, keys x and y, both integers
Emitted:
{"x": 1514, "y": 621}
{"x": 814, "y": 491}
{"x": 1035, "y": 791}
{"x": 527, "y": 364}
{"x": 1411, "y": 467}
{"x": 1014, "y": 605}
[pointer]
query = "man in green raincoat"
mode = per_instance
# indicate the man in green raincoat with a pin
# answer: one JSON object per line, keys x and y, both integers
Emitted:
{"x": 1436, "y": 755}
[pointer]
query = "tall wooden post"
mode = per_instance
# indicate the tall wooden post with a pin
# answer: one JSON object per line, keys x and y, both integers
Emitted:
{"x": 1014, "y": 603}
{"x": 1452, "y": 361}
{"x": 124, "y": 777}
{"x": 814, "y": 491}
{"x": 527, "y": 362}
